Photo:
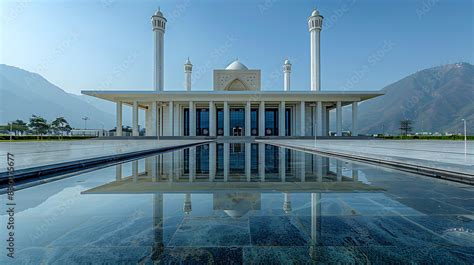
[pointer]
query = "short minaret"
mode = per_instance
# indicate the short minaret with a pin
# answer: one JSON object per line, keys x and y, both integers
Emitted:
{"x": 286, "y": 75}
{"x": 315, "y": 23}
{"x": 188, "y": 69}
{"x": 158, "y": 22}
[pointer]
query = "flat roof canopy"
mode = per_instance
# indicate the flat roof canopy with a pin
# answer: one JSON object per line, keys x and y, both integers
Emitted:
{"x": 232, "y": 96}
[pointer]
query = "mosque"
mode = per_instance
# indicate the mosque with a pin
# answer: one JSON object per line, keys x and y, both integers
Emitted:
{"x": 236, "y": 105}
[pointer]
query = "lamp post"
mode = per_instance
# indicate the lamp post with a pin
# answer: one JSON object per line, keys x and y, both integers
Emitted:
{"x": 85, "y": 122}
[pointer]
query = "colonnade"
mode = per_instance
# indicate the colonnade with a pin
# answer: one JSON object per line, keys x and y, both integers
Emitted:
{"x": 166, "y": 118}
{"x": 304, "y": 167}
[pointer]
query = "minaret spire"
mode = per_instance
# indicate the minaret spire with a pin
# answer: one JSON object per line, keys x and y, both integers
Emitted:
{"x": 158, "y": 22}
{"x": 315, "y": 23}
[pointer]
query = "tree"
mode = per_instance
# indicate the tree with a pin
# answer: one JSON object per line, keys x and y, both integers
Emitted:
{"x": 405, "y": 127}
{"x": 18, "y": 126}
{"x": 38, "y": 124}
{"x": 60, "y": 125}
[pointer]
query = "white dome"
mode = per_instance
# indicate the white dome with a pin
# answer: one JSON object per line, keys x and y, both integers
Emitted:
{"x": 236, "y": 213}
{"x": 287, "y": 61}
{"x": 236, "y": 65}
{"x": 315, "y": 13}
{"x": 158, "y": 13}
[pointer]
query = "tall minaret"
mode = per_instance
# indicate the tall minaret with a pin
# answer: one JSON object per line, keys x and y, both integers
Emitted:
{"x": 158, "y": 22}
{"x": 188, "y": 69}
{"x": 315, "y": 23}
{"x": 286, "y": 75}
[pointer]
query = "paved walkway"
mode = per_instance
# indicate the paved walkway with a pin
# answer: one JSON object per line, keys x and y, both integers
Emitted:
{"x": 435, "y": 155}
{"x": 35, "y": 154}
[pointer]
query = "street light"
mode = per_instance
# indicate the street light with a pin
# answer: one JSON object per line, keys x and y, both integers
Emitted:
{"x": 85, "y": 122}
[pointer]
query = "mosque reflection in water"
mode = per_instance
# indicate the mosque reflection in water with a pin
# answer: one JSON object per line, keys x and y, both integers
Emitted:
{"x": 236, "y": 174}
{"x": 236, "y": 162}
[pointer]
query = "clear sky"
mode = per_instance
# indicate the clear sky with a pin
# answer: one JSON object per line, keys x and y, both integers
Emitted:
{"x": 107, "y": 44}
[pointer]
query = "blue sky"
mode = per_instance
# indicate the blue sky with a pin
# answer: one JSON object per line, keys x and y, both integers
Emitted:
{"x": 107, "y": 44}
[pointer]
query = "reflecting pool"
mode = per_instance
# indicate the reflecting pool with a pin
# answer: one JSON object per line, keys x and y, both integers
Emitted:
{"x": 235, "y": 203}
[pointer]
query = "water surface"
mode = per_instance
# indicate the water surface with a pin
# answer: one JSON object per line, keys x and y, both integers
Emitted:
{"x": 234, "y": 203}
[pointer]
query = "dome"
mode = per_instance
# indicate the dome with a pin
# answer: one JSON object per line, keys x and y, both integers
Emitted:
{"x": 188, "y": 61}
{"x": 315, "y": 13}
{"x": 236, "y": 65}
{"x": 287, "y": 61}
{"x": 236, "y": 213}
{"x": 158, "y": 13}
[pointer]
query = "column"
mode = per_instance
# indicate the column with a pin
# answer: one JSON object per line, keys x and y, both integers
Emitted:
{"x": 192, "y": 119}
{"x": 154, "y": 111}
{"x": 282, "y": 163}
{"x": 286, "y": 202}
{"x": 324, "y": 123}
{"x": 226, "y": 161}
{"x": 339, "y": 170}
{"x": 118, "y": 132}
{"x": 339, "y": 119}
{"x": 187, "y": 207}
{"x": 212, "y": 119}
{"x": 135, "y": 170}
{"x": 302, "y": 165}
{"x": 212, "y": 161}
{"x": 158, "y": 246}
{"x": 248, "y": 164}
{"x": 281, "y": 120}
{"x": 118, "y": 172}
{"x": 192, "y": 164}
{"x": 355, "y": 131}
{"x": 248, "y": 124}
{"x": 319, "y": 167}
{"x": 355, "y": 172}
{"x": 171, "y": 117}
{"x": 226, "y": 118}
{"x": 319, "y": 118}
{"x": 302, "y": 118}
{"x": 135, "y": 119}
{"x": 315, "y": 223}
{"x": 155, "y": 168}
{"x": 261, "y": 119}
{"x": 261, "y": 161}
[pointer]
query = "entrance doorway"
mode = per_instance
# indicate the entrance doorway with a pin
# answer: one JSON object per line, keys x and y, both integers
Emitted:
{"x": 237, "y": 121}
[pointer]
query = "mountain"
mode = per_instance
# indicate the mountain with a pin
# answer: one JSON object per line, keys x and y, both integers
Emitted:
{"x": 435, "y": 99}
{"x": 23, "y": 93}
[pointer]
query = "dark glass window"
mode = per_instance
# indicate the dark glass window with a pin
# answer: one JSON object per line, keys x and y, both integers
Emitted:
{"x": 254, "y": 159}
{"x": 202, "y": 122}
{"x": 254, "y": 122}
{"x": 237, "y": 121}
{"x": 237, "y": 159}
{"x": 220, "y": 159}
{"x": 202, "y": 159}
{"x": 287, "y": 122}
{"x": 186, "y": 122}
{"x": 220, "y": 121}
{"x": 271, "y": 122}
{"x": 271, "y": 159}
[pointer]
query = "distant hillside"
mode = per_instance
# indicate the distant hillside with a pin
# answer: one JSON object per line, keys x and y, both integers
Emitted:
{"x": 23, "y": 93}
{"x": 436, "y": 99}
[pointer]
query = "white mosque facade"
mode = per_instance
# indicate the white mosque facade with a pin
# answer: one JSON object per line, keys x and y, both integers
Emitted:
{"x": 236, "y": 106}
